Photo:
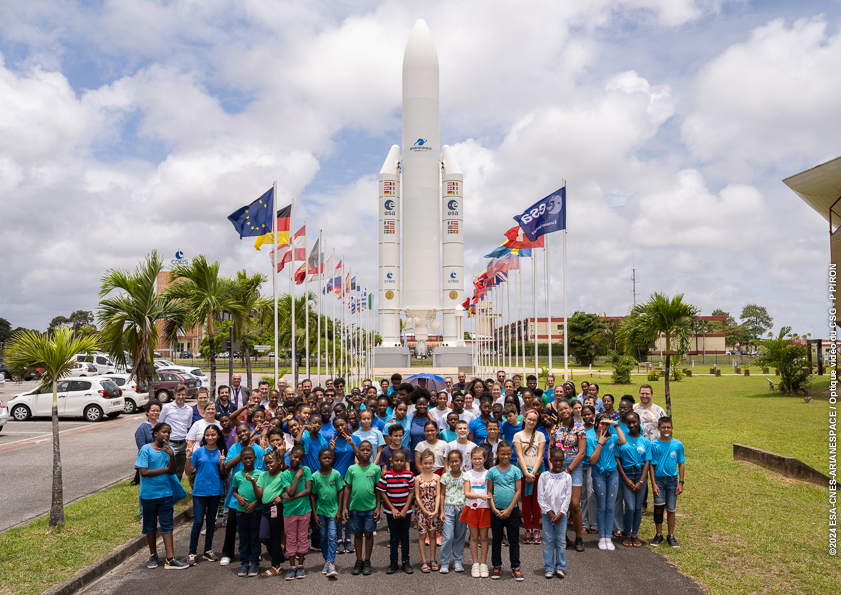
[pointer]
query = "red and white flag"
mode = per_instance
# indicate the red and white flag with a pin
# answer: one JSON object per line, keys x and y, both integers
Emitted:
{"x": 284, "y": 254}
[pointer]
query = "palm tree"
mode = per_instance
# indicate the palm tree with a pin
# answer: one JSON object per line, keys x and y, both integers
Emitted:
{"x": 660, "y": 315}
{"x": 130, "y": 319}
{"x": 53, "y": 353}
{"x": 253, "y": 309}
{"x": 206, "y": 294}
{"x": 284, "y": 322}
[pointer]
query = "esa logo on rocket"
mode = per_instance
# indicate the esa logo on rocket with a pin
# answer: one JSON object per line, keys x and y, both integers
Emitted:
{"x": 388, "y": 208}
{"x": 452, "y": 207}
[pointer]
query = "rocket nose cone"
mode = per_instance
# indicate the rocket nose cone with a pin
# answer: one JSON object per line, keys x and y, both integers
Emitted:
{"x": 420, "y": 49}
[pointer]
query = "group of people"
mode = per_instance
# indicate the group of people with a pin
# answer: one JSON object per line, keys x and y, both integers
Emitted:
{"x": 301, "y": 469}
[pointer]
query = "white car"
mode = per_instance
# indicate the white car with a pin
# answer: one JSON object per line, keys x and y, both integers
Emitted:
{"x": 103, "y": 363}
{"x": 82, "y": 369}
{"x": 91, "y": 398}
{"x": 201, "y": 379}
{"x": 133, "y": 395}
{"x": 4, "y": 412}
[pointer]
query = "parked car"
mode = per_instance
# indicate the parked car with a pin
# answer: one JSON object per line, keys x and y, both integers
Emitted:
{"x": 197, "y": 373}
{"x": 103, "y": 363}
{"x": 185, "y": 355}
{"x": 82, "y": 369}
{"x": 91, "y": 398}
{"x": 135, "y": 396}
{"x": 164, "y": 388}
{"x": 31, "y": 375}
{"x": 223, "y": 355}
{"x": 4, "y": 414}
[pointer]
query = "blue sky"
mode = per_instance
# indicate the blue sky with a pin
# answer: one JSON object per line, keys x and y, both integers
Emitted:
{"x": 139, "y": 126}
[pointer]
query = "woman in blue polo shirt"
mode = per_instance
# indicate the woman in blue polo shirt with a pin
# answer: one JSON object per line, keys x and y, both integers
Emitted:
{"x": 635, "y": 456}
{"x": 605, "y": 476}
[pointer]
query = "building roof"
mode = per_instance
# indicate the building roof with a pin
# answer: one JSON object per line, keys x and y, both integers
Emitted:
{"x": 819, "y": 187}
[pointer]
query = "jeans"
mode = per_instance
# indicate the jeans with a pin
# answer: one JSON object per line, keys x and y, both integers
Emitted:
{"x": 452, "y": 542}
{"x": 343, "y": 528}
{"x": 327, "y": 537}
{"x": 203, "y": 506}
{"x": 511, "y": 526}
{"x": 633, "y": 502}
{"x": 575, "y": 474}
{"x": 605, "y": 485}
{"x": 398, "y": 535}
{"x": 230, "y": 534}
{"x": 668, "y": 492}
{"x": 619, "y": 508}
{"x": 157, "y": 510}
{"x": 248, "y": 524}
{"x": 179, "y": 449}
{"x": 271, "y": 532}
{"x": 554, "y": 544}
{"x": 588, "y": 499}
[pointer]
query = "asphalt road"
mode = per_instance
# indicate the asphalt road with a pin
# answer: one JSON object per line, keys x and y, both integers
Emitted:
{"x": 626, "y": 570}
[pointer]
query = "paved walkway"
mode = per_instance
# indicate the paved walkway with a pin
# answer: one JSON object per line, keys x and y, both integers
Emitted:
{"x": 626, "y": 570}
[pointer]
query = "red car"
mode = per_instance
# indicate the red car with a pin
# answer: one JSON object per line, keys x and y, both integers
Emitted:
{"x": 164, "y": 388}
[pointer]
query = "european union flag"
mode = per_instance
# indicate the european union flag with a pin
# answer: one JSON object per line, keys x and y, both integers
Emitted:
{"x": 256, "y": 218}
{"x": 544, "y": 216}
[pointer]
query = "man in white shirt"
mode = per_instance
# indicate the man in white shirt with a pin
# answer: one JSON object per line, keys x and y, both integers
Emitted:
{"x": 179, "y": 416}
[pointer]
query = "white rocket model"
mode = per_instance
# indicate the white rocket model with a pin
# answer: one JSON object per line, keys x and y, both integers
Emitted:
{"x": 430, "y": 210}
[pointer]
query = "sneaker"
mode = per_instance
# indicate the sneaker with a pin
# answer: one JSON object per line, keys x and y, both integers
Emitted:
{"x": 506, "y": 543}
{"x": 254, "y": 569}
{"x": 561, "y": 572}
{"x": 210, "y": 556}
{"x": 204, "y": 530}
{"x": 224, "y": 561}
{"x": 324, "y": 569}
{"x": 357, "y": 568}
{"x": 224, "y": 522}
{"x": 314, "y": 548}
{"x": 191, "y": 560}
{"x": 569, "y": 542}
{"x": 407, "y": 567}
{"x": 526, "y": 538}
{"x": 658, "y": 539}
{"x": 349, "y": 548}
{"x": 445, "y": 569}
{"x": 548, "y": 574}
{"x": 518, "y": 576}
{"x": 331, "y": 570}
{"x": 496, "y": 573}
{"x": 392, "y": 568}
{"x": 579, "y": 544}
{"x": 609, "y": 544}
{"x": 243, "y": 570}
{"x": 300, "y": 572}
{"x": 457, "y": 566}
{"x": 153, "y": 561}
{"x": 174, "y": 564}
{"x": 670, "y": 539}
{"x": 290, "y": 574}
{"x": 475, "y": 571}
{"x": 602, "y": 545}
{"x": 366, "y": 568}
{"x": 340, "y": 547}
{"x": 483, "y": 570}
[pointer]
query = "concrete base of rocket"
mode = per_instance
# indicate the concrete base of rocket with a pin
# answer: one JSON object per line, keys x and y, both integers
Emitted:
{"x": 392, "y": 357}
{"x": 452, "y": 357}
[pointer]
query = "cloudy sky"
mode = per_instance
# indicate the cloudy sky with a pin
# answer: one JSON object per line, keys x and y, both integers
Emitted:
{"x": 132, "y": 126}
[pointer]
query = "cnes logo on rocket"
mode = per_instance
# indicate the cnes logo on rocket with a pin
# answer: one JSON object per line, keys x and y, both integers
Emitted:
{"x": 389, "y": 279}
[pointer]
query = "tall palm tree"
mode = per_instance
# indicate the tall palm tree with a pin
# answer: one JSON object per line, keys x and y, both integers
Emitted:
{"x": 671, "y": 317}
{"x": 54, "y": 355}
{"x": 206, "y": 294}
{"x": 130, "y": 319}
{"x": 254, "y": 310}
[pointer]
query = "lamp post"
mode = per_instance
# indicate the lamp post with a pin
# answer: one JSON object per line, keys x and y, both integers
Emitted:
{"x": 704, "y": 346}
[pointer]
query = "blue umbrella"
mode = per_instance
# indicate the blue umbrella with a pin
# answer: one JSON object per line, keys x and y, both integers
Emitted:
{"x": 433, "y": 382}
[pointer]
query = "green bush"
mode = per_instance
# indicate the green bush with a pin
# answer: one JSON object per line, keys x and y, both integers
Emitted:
{"x": 622, "y": 369}
{"x": 653, "y": 375}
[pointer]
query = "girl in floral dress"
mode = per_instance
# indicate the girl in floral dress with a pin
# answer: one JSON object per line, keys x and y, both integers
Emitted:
{"x": 427, "y": 497}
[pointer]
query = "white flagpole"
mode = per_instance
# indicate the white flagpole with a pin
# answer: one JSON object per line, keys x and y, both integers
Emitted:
{"x": 524, "y": 323}
{"x": 566, "y": 333}
{"x": 318, "y": 333}
{"x": 508, "y": 328}
{"x": 307, "y": 300}
{"x": 517, "y": 328}
{"x": 534, "y": 302}
{"x": 333, "y": 325}
{"x": 292, "y": 296}
{"x": 342, "y": 325}
{"x": 548, "y": 302}
{"x": 274, "y": 285}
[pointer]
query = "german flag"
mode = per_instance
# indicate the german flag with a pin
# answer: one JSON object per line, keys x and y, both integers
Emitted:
{"x": 281, "y": 225}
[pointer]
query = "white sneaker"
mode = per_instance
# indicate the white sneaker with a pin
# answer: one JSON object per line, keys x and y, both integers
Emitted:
{"x": 476, "y": 571}
{"x": 483, "y": 571}
{"x": 204, "y": 530}
{"x": 609, "y": 544}
{"x": 602, "y": 545}
{"x": 224, "y": 561}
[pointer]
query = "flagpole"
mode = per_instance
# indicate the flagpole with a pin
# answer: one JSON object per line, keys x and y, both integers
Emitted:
{"x": 508, "y": 328}
{"x": 333, "y": 326}
{"x": 548, "y": 303}
{"x": 523, "y": 322}
{"x": 534, "y": 302}
{"x": 306, "y": 301}
{"x": 274, "y": 284}
{"x": 318, "y": 332}
{"x": 292, "y": 296}
{"x": 342, "y": 325}
{"x": 566, "y": 334}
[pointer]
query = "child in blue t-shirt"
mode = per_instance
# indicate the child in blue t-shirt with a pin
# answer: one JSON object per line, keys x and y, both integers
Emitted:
{"x": 510, "y": 426}
{"x": 634, "y": 459}
{"x": 666, "y": 472}
{"x": 505, "y": 488}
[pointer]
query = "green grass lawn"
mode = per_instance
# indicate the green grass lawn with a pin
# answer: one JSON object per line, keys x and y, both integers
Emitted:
{"x": 742, "y": 528}
{"x": 33, "y": 558}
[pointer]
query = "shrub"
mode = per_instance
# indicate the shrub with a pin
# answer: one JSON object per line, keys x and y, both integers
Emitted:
{"x": 622, "y": 369}
{"x": 653, "y": 375}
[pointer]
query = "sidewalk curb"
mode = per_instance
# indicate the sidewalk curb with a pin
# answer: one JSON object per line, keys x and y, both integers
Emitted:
{"x": 94, "y": 571}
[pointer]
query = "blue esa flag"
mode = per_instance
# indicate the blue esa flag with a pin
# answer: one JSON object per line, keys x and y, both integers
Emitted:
{"x": 544, "y": 216}
{"x": 255, "y": 219}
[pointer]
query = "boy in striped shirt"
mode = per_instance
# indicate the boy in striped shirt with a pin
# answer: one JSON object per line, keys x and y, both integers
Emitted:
{"x": 395, "y": 493}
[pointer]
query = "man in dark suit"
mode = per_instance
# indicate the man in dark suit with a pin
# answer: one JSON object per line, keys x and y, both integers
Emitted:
{"x": 239, "y": 394}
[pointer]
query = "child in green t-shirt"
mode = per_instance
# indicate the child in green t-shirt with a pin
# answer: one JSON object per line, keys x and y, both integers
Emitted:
{"x": 269, "y": 489}
{"x": 360, "y": 505}
{"x": 248, "y": 519}
{"x": 297, "y": 485}
{"x": 327, "y": 489}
